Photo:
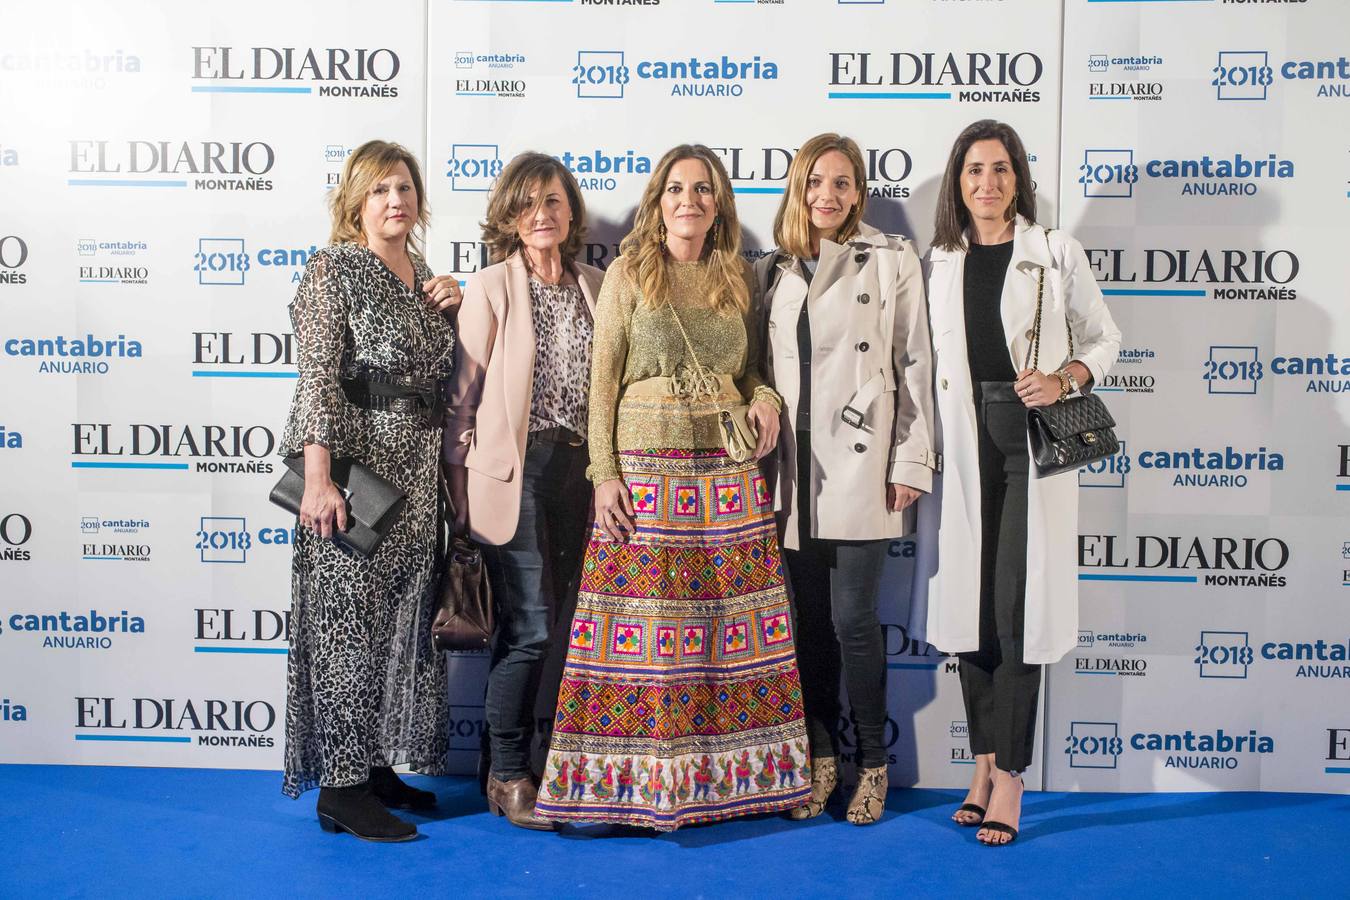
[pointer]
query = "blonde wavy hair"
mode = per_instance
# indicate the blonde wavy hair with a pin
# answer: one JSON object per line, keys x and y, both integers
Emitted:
{"x": 792, "y": 225}
{"x": 644, "y": 252}
{"x": 367, "y": 166}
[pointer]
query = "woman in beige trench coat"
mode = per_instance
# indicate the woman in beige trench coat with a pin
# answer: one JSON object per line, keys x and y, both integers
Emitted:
{"x": 848, "y": 350}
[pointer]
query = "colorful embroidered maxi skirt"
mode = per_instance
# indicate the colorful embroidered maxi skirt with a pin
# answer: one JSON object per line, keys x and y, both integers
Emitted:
{"x": 680, "y": 701}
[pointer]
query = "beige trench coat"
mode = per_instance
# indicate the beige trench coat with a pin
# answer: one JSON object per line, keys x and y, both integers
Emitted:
{"x": 871, "y": 383}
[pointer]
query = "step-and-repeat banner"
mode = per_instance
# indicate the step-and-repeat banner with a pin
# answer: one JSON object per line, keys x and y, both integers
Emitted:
{"x": 165, "y": 172}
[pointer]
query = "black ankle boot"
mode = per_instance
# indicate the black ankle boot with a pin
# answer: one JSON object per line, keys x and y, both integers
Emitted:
{"x": 356, "y": 811}
{"x": 390, "y": 790}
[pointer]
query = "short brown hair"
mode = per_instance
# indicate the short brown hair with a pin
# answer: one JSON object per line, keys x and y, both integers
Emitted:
{"x": 792, "y": 225}
{"x": 366, "y": 166}
{"x": 510, "y": 199}
{"x": 952, "y": 218}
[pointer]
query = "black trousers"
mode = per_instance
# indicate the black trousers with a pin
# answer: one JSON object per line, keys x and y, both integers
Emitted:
{"x": 531, "y": 575}
{"x": 834, "y": 595}
{"x": 1000, "y": 689}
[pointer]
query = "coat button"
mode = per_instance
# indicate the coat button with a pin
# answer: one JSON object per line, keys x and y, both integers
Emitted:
{"x": 1030, "y": 334}
{"x": 864, "y": 299}
{"x": 860, "y": 257}
{"x": 944, "y": 384}
{"x": 862, "y": 346}
{"x": 859, "y": 447}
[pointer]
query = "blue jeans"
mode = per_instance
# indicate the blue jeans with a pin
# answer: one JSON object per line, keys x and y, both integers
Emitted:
{"x": 531, "y": 575}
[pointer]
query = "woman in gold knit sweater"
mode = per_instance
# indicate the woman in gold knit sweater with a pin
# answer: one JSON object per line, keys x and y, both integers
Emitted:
{"x": 680, "y": 701}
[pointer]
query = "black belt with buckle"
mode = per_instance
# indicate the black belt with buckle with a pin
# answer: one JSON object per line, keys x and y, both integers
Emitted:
{"x": 558, "y": 435}
{"x": 382, "y": 391}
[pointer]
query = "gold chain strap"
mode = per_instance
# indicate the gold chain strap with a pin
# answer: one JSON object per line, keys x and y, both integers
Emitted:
{"x": 696, "y": 381}
{"x": 1034, "y": 350}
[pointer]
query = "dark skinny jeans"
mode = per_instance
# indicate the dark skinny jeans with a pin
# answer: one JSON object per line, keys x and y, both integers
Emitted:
{"x": 530, "y": 576}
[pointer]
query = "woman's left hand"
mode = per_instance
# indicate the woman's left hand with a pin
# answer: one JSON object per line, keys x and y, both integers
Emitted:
{"x": 1036, "y": 388}
{"x": 764, "y": 419}
{"x": 899, "y": 496}
{"x": 442, "y": 292}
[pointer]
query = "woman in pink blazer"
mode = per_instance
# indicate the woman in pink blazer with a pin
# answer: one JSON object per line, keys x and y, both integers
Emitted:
{"x": 514, "y": 443}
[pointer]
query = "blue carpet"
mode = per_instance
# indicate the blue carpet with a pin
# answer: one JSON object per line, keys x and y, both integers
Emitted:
{"x": 84, "y": 831}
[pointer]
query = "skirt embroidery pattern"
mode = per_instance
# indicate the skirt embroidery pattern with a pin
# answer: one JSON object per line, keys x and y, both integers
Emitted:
{"x": 680, "y": 701}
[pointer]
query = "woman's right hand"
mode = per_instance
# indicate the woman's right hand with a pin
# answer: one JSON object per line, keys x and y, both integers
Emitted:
{"x": 614, "y": 509}
{"x": 321, "y": 506}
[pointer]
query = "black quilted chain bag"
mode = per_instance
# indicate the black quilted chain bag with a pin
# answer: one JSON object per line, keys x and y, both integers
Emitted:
{"x": 1073, "y": 432}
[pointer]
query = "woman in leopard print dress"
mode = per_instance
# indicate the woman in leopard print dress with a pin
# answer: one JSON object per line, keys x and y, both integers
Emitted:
{"x": 365, "y": 689}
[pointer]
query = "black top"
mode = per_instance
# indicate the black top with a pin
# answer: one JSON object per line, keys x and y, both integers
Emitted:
{"x": 986, "y": 343}
{"x": 804, "y": 358}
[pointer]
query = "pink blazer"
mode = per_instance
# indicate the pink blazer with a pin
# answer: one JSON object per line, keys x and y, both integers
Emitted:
{"x": 490, "y": 396}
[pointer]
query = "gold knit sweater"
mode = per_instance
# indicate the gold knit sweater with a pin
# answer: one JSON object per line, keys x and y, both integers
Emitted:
{"x": 633, "y": 342}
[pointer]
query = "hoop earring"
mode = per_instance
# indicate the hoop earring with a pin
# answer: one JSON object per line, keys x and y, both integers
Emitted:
{"x": 1011, "y": 212}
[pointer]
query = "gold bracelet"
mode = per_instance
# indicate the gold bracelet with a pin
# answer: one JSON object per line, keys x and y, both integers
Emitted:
{"x": 1064, "y": 389}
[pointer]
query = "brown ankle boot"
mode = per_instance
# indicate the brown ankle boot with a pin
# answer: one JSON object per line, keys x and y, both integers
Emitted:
{"x": 869, "y": 798}
{"x": 824, "y": 779}
{"x": 515, "y": 800}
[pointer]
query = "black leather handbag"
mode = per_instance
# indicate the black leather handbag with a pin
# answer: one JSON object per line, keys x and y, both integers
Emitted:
{"x": 1073, "y": 432}
{"x": 373, "y": 503}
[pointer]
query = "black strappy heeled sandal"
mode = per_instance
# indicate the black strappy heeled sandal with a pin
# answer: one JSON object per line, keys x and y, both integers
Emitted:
{"x": 1000, "y": 828}
{"x": 970, "y": 808}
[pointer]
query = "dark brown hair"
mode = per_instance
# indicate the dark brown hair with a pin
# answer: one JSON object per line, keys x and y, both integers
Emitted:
{"x": 952, "y": 218}
{"x": 510, "y": 199}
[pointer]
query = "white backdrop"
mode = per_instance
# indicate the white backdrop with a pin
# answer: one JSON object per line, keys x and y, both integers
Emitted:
{"x": 165, "y": 170}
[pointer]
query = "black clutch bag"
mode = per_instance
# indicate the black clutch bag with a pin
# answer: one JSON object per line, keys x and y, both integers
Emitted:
{"x": 373, "y": 503}
{"x": 1073, "y": 432}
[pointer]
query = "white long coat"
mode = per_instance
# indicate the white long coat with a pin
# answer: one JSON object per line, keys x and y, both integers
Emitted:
{"x": 945, "y": 606}
{"x": 871, "y": 383}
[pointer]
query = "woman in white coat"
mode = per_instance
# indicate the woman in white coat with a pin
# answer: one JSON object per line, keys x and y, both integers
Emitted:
{"x": 848, "y": 350}
{"x": 996, "y": 579}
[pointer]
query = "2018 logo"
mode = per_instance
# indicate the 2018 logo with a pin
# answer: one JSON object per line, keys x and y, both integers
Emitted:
{"x": 1233, "y": 369}
{"x": 1113, "y": 173}
{"x": 1108, "y": 472}
{"x": 604, "y": 74}
{"x": 227, "y": 539}
{"x": 1224, "y": 654}
{"x": 1250, "y": 74}
{"x": 1093, "y": 745}
{"x": 473, "y": 167}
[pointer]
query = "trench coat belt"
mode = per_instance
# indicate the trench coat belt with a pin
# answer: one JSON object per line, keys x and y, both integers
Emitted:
{"x": 871, "y": 389}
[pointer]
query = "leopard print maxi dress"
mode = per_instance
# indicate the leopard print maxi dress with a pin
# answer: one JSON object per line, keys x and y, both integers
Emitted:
{"x": 365, "y": 687}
